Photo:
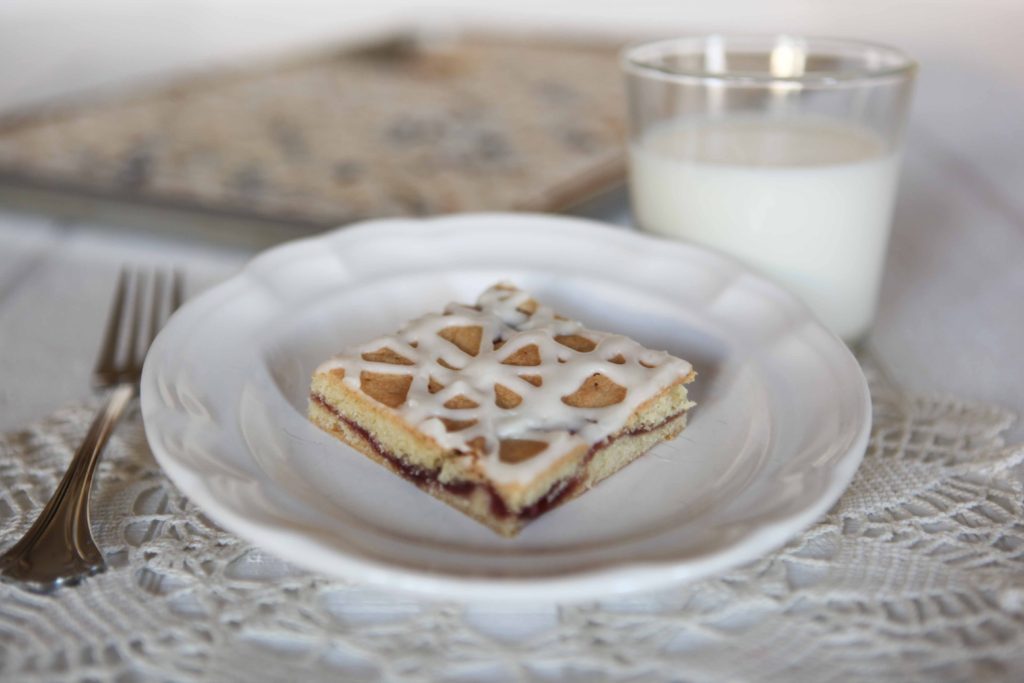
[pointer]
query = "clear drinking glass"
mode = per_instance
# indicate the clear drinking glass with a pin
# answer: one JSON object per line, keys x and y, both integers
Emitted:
{"x": 781, "y": 151}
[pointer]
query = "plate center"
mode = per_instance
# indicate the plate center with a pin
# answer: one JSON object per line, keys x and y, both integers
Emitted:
{"x": 667, "y": 488}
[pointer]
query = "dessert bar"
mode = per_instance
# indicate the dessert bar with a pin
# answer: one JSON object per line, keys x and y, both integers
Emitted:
{"x": 503, "y": 409}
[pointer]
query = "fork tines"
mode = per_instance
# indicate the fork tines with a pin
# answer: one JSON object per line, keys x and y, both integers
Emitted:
{"x": 141, "y": 305}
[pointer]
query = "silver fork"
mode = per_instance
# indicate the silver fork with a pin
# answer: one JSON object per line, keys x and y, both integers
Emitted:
{"x": 59, "y": 548}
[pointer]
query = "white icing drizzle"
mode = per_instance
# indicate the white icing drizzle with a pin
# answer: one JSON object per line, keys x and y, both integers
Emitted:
{"x": 542, "y": 415}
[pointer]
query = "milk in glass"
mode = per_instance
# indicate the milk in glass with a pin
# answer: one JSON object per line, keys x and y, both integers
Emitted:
{"x": 808, "y": 202}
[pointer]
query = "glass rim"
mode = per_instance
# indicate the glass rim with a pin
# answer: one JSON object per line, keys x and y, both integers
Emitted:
{"x": 637, "y": 59}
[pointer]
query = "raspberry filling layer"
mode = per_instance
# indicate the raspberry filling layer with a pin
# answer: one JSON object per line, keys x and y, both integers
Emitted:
{"x": 561, "y": 491}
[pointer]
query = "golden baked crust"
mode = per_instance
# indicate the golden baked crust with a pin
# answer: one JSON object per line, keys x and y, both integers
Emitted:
{"x": 504, "y": 409}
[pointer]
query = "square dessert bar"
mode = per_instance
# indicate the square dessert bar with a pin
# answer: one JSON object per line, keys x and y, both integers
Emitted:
{"x": 504, "y": 409}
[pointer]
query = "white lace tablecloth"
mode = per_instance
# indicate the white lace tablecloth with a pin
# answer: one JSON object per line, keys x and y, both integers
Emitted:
{"x": 916, "y": 574}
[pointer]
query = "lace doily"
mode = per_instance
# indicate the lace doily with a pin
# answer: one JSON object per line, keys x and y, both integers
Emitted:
{"x": 916, "y": 574}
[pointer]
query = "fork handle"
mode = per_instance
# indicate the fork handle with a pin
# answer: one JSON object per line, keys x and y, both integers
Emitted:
{"x": 59, "y": 548}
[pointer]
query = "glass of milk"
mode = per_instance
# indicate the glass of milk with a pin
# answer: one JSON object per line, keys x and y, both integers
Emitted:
{"x": 781, "y": 151}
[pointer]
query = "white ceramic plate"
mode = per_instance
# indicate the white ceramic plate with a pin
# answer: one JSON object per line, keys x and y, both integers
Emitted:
{"x": 781, "y": 424}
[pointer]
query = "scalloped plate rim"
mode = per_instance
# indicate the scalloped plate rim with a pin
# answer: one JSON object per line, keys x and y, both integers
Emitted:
{"x": 587, "y": 584}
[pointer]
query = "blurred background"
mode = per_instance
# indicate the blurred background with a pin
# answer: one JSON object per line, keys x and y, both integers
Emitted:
{"x": 245, "y": 122}
{"x": 970, "y": 91}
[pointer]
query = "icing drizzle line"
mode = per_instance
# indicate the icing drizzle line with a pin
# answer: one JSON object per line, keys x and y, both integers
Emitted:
{"x": 510, "y": 321}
